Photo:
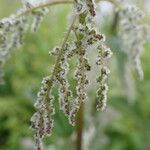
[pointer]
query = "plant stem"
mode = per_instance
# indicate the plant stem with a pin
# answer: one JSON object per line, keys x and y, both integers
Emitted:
{"x": 79, "y": 127}
{"x": 62, "y": 47}
{"x": 59, "y": 57}
{"x": 47, "y": 4}
{"x": 51, "y": 3}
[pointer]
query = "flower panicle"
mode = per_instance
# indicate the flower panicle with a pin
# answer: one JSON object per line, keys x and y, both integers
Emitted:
{"x": 13, "y": 28}
{"x": 130, "y": 24}
{"x": 42, "y": 121}
{"x": 104, "y": 54}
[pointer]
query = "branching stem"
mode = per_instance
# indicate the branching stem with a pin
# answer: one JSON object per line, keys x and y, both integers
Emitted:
{"x": 51, "y": 3}
{"x": 59, "y": 55}
{"x": 47, "y": 4}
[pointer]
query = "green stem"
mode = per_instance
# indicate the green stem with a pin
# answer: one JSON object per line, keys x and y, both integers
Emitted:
{"x": 79, "y": 127}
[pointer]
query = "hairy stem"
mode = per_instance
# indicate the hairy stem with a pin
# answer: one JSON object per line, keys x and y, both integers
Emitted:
{"x": 79, "y": 127}
{"x": 47, "y": 4}
{"x": 59, "y": 56}
{"x": 51, "y": 3}
{"x": 62, "y": 47}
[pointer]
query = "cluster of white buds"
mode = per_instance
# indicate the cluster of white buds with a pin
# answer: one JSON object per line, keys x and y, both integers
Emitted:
{"x": 11, "y": 36}
{"x": 133, "y": 35}
{"x": 91, "y": 6}
{"x": 87, "y": 38}
{"x": 104, "y": 53}
{"x": 91, "y": 38}
{"x": 81, "y": 77}
{"x": 73, "y": 50}
{"x": 85, "y": 5}
{"x": 64, "y": 93}
{"x": 37, "y": 15}
{"x": 42, "y": 120}
{"x": 37, "y": 124}
{"x": 12, "y": 30}
{"x": 82, "y": 82}
{"x": 81, "y": 72}
{"x": 80, "y": 6}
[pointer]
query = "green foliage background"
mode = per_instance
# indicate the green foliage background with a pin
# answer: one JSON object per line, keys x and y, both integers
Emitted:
{"x": 24, "y": 72}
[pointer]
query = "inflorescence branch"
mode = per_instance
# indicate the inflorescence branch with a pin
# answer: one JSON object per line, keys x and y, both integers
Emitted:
{"x": 44, "y": 5}
{"x": 51, "y": 3}
{"x": 88, "y": 38}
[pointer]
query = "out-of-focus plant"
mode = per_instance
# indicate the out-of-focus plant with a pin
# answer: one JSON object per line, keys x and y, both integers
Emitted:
{"x": 86, "y": 38}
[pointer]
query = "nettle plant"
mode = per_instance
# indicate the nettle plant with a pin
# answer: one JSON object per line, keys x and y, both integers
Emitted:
{"x": 130, "y": 30}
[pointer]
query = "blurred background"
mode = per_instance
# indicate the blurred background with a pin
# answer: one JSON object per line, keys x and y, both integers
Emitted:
{"x": 125, "y": 125}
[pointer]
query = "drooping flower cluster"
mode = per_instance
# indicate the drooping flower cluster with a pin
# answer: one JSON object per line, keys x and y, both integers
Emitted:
{"x": 11, "y": 36}
{"x": 92, "y": 39}
{"x": 12, "y": 30}
{"x": 42, "y": 121}
{"x": 104, "y": 53}
{"x": 82, "y": 82}
{"x": 87, "y": 38}
{"x": 133, "y": 35}
{"x": 64, "y": 93}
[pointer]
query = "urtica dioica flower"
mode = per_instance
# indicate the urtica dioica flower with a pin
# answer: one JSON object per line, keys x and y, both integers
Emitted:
{"x": 13, "y": 28}
{"x": 86, "y": 37}
{"x": 133, "y": 34}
